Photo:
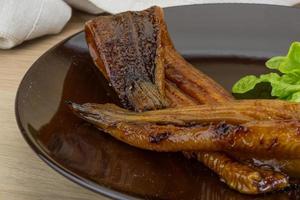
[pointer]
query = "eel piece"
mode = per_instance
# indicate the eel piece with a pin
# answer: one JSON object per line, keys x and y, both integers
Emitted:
{"x": 193, "y": 82}
{"x": 176, "y": 98}
{"x": 287, "y": 166}
{"x": 243, "y": 177}
{"x": 233, "y": 112}
{"x": 275, "y": 138}
{"x": 127, "y": 50}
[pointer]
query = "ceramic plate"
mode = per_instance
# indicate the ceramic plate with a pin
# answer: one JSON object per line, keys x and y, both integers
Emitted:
{"x": 226, "y": 41}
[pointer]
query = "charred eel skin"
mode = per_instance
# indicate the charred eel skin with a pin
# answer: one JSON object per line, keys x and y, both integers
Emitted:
{"x": 127, "y": 49}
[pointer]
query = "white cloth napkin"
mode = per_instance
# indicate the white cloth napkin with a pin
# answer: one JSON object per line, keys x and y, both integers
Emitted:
{"x": 22, "y": 20}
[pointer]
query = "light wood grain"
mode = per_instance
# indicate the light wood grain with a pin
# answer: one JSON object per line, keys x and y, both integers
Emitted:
{"x": 23, "y": 176}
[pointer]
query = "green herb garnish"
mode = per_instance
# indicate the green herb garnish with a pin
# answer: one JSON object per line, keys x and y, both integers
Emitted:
{"x": 285, "y": 85}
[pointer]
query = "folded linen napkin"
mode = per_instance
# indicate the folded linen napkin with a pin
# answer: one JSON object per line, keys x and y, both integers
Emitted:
{"x": 22, "y": 20}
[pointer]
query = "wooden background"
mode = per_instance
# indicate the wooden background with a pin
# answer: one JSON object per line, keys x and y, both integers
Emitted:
{"x": 23, "y": 176}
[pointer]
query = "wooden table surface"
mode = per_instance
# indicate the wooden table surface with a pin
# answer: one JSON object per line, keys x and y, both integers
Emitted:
{"x": 23, "y": 176}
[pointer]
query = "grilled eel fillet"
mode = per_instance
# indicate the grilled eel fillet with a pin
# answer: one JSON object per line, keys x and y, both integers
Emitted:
{"x": 204, "y": 84}
{"x": 175, "y": 132}
{"x": 232, "y": 112}
{"x": 130, "y": 55}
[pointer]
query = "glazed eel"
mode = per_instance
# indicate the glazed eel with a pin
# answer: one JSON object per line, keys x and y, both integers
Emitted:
{"x": 132, "y": 92}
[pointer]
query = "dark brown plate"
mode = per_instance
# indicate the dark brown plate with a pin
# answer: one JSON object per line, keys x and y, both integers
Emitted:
{"x": 225, "y": 41}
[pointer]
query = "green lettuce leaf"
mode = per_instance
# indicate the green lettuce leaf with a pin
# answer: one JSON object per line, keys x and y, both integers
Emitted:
{"x": 285, "y": 85}
{"x": 295, "y": 97}
{"x": 245, "y": 84}
{"x": 276, "y": 62}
